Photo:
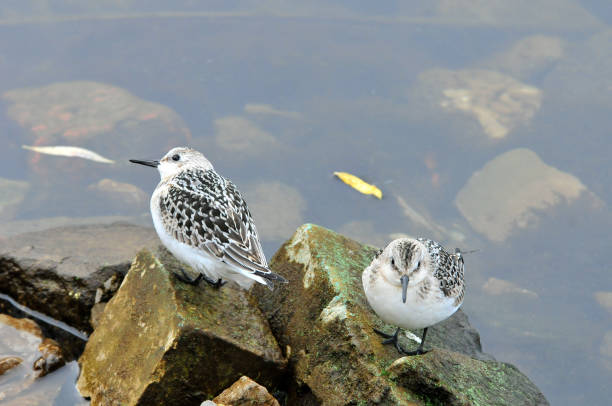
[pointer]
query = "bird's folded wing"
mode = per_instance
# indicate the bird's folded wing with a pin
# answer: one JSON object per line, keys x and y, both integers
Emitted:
{"x": 220, "y": 221}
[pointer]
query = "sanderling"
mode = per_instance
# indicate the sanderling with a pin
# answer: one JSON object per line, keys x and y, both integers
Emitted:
{"x": 414, "y": 283}
{"x": 202, "y": 219}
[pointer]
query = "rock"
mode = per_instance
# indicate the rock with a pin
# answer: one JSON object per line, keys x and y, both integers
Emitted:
{"x": 12, "y": 193}
{"x": 96, "y": 116}
{"x": 22, "y": 324}
{"x": 177, "y": 343}
{"x": 511, "y": 190}
{"x": 96, "y": 313}
{"x": 17, "y": 227}
{"x": 82, "y": 113}
{"x": 239, "y": 135}
{"x": 6, "y": 363}
{"x": 499, "y": 103}
{"x": 58, "y": 271}
{"x": 605, "y": 300}
{"x": 276, "y": 207}
{"x": 494, "y": 286}
{"x": 26, "y": 356}
{"x": 246, "y": 392}
{"x": 323, "y": 320}
{"x": 450, "y": 378}
{"x": 52, "y": 357}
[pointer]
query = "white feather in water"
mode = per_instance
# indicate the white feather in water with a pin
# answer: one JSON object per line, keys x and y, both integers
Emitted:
{"x": 68, "y": 151}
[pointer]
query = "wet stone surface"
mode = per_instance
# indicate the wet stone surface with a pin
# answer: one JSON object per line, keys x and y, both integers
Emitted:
{"x": 58, "y": 271}
{"x": 177, "y": 343}
{"x": 323, "y": 320}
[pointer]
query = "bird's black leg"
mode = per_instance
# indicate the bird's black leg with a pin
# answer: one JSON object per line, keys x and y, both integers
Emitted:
{"x": 215, "y": 284}
{"x": 419, "y": 350}
{"x": 392, "y": 339}
{"x": 183, "y": 277}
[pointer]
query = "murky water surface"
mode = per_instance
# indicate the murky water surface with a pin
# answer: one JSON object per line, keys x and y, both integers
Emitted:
{"x": 485, "y": 124}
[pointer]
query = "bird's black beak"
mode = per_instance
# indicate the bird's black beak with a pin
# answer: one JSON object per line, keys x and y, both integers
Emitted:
{"x": 404, "y": 280}
{"x": 154, "y": 164}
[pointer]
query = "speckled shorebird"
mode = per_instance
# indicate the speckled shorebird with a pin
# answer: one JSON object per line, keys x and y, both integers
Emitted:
{"x": 202, "y": 219}
{"x": 414, "y": 283}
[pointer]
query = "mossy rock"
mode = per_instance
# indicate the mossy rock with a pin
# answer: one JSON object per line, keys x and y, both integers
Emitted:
{"x": 449, "y": 378}
{"x": 164, "y": 342}
{"x": 322, "y": 317}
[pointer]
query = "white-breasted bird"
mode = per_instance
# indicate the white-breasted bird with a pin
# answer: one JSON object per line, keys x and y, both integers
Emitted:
{"x": 413, "y": 284}
{"x": 202, "y": 219}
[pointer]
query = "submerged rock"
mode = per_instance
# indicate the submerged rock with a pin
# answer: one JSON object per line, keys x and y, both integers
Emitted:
{"x": 511, "y": 191}
{"x": 59, "y": 270}
{"x": 323, "y": 320}
{"x": 497, "y": 102}
{"x": 7, "y": 363}
{"x": 27, "y": 355}
{"x": 161, "y": 341}
{"x": 495, "y": 286}
{"x": 51, "y": 359}
{"x": 246, "y": 392}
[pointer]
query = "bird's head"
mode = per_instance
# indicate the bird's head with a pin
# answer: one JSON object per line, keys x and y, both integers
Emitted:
{"x": 177, "y": 160}
{"x": 404, "y": 262}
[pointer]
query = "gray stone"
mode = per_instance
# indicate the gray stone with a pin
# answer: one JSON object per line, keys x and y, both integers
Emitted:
{"x": 58, "y": 271}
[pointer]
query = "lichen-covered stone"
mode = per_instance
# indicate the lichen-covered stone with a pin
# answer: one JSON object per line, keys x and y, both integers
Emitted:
{"x": 449, "y": 378}
{"x": 161, "y": 341}
{"x": 246, "y": 392}
{"x": 324, "y": 321}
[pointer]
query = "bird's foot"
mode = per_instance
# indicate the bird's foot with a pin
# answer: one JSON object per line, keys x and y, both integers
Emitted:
{"x": 215, "y": 284}
{"x": 183, "y": 277}
{"x": 418, "y": 351}
{"x": 392, "y": 339}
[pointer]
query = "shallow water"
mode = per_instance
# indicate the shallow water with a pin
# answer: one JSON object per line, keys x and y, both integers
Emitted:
{"x": 413, "y": 98}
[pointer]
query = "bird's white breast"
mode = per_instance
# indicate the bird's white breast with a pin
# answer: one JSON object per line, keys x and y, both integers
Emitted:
{"x": 418, "y": 312}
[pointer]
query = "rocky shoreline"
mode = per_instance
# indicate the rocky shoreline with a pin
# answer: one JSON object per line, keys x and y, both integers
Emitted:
{"x": 310, "y": 342}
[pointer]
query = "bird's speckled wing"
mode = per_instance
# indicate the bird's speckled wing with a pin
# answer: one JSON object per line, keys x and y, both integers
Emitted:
{"x": 205, "y": 210}
{"x": 448, "y": 269}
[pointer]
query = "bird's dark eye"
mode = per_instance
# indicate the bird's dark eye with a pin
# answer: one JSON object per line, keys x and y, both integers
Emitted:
{"x": 392, "y": 261}
{"x": 176, "y": 157}
{"x": 419, "y": 264}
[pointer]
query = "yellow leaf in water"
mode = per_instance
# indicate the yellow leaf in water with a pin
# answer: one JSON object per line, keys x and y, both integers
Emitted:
{"x": 358, "y": 184}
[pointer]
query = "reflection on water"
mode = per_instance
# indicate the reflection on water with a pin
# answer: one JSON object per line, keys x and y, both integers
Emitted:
{"x": 486, "y": 125}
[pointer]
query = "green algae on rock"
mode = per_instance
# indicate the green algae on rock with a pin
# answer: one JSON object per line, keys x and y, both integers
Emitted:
{"x": 322, "y": 316}
{"x": 160, "y": 341}
{"x": 450, "y": 378}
